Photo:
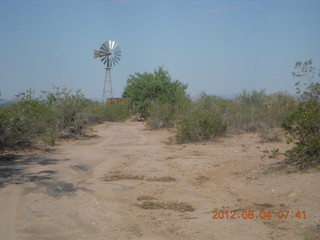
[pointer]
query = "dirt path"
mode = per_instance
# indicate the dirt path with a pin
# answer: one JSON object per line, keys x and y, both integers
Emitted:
{"x": 131, "y": 184}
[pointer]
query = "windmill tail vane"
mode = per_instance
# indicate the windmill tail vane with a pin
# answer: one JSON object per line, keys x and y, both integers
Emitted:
{"x": 109, "y": 55}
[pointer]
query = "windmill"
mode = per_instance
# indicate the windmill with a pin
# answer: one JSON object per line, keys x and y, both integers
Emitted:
{"x": 109, "y": 54}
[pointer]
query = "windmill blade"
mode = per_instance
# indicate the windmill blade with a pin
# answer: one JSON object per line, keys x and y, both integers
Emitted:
{"x": 111, "y": 44}
{"x": 96, "y": 54}
{"x": 102, "y": 48}
{"x": 106, "y": 45}
{"x": 103, "y": 53}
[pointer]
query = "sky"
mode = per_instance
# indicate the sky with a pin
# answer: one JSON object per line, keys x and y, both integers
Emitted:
{"x": 220, "y": 47}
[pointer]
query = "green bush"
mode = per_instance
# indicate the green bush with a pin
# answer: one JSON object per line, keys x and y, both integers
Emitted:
{"x": 255, "y": 110}
{"x": 95, "y": 113}
{"x": 28, "y": 120}
{"x": 302, "y": 125}
{"x": 59, "y": 112}
{"x": 161, "y": 115}
{"x": 69, "y": 108}
{"x": 249, "y": 111}
{"x": 144, "y": 89}
{"x": 115, "y": 112}
{"x": 98, "y": 113}
{"x": 164, "y": 115}
{"x": 252, "y": 98}
{"x": 201, "y": 121}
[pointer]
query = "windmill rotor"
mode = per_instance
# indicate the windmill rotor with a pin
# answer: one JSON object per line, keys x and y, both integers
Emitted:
{"x": 109, "y": 54}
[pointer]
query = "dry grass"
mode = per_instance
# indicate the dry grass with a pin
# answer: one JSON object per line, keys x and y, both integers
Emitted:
{"x": 174, "y": 206}
{"x": 202, "y": 179}
{"x": 145, "y": 197}
{"x": 270, "y": 135}
{"x": 119, "y": 177}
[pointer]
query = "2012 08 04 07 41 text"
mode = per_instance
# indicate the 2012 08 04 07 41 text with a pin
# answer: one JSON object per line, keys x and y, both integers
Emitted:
{"x": 261, "y": 214}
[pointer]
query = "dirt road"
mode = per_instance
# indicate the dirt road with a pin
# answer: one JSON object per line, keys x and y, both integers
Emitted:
{"x": 130, "y": 183}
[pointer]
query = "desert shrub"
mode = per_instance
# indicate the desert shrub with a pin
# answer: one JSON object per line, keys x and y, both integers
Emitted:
{"x": 255, "y": 110}
{"x": 252, "y": 98}
{"x": 200, "y": 122}
{"x": 216, "y": 103}
{"x": 144, "y": 89}
{"x": 161, "y": 115}
{"x": 164, "y": 115}
{"x": 28, "y": 120}
{"x": 277, "y": 106}
{"x": 95, "y": 113}
{"x": 247, "y": 111}
{"x": 302, "y": 125}
{"x": 115, "y": 112}
{"x": 270, "y": 135}
{"x": 69, "y": 108}
{"x": 57, "y": 113}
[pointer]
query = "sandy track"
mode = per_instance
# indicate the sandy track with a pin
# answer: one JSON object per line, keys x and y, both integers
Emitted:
{"x": 131, "y": 184}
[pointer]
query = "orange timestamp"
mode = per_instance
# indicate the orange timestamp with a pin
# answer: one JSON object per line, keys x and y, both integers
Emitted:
{"x": 253, "y": 214}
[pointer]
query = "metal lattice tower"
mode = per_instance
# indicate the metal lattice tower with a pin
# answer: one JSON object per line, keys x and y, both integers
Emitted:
{"x": 109, "y": 54}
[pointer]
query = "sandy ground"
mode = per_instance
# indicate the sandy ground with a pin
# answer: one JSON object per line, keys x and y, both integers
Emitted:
{"x": 131, "y": 183}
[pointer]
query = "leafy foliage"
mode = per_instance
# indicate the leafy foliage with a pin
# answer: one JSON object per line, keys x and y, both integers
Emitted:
{"x": 59, "y": 112}
{"x": 302, "y": 125}
{"x": 41, "y": 119}
{"x": 26, "y": 121}
{"x": 144, "y": 89}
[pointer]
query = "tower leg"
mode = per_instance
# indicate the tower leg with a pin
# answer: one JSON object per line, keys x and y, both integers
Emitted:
{"x": 107, "y": 95}
{"x": 104, "y": 93}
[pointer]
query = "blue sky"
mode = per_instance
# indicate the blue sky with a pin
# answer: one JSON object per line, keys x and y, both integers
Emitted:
{"x": 217, "y": 46}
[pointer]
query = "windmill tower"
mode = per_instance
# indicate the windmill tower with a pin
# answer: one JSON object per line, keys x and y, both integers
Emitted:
{"x": 109, "y": 54}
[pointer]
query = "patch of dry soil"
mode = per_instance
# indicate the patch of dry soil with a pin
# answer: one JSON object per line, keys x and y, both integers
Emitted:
{"x": 130, "y": 183}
